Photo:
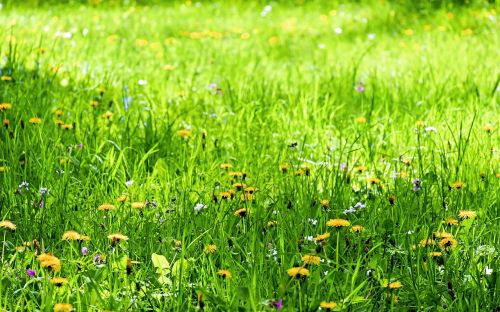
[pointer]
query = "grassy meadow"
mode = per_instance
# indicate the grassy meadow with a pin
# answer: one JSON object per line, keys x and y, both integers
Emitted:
{"x": 250, "y": 156}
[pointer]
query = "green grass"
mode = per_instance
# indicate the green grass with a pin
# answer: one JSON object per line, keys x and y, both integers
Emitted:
{"x": 287, "y": 91}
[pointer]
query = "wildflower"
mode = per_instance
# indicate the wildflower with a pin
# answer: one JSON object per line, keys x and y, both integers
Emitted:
{"x": 50, "y": 262}
{"x": 210, "y": 249}
{"x": 85, "y": 251}
{"x": 247, "y": 197}
{"x": 278, "y": 305}
{"x": 177, "y": 245}
{"x": 488, "y": 127}
{"x": 5, "y": 106}
{"x": 67, "y": 126}
{"x": 466, "y": 214}
{"x": 357, "y": 229}
{"x": 284, "y": 167}
{"x": 117, "y": 237}
{"x": 442, "y": 235}
{"x": 417, "y": 184}
{"x": 7, "y": 225}
{"x": 59, "y": 281}
{"x": 238, "y": 174}
{"x": 325, "y": 203}
{"x": 239, "y": 186}
{"x": 457, "y": 185}
{"x": 97, "y": 259}
{"x": 451, "y": 222}
{"x": 35, "y": 120}
{"x": 272, "y": 223}
{"x": 225, "y": 274}
{"x": 360, "y": 87}
{"x": 71, "y": 236}
{"x": 250, "y": 190}
{"x": 338, "y": 223}
{"x": 63, "y": 307}
{"x": 59, "y": 122}
{"x": 393, "y": 285}
{"x": 31, "y": 272}
{"x": 43, "y": 191}
{"x": 199, "y": 207}
{"x": 360, "y": 120}
{"x": 95, "y": 103}
{"x": 184, "y": 133}
{"x": 107, "y": 115}
{"x": 359, "y": 169}
{"x": 426, "y": 242}
{"x": 122, "y": 198}
{"x": 328, "y": 306}
{"x": 392, "y": 199}
{"x": 322, "y": 237}
{"x": 488, "y": 271}
{"x": 106, "y": 207}
{"x": 226, "y": 195}
{"x": 448, "y": 243}
{"x": 138, "y": 205}
{"x": 435, "y": 254}
{"x": 298, "y": 272}
{"x": 373, "y": 180}
{"x": 242, "y": 212}
{"x": 6, "y": 123}
{"x": 299, "y": 172}
{"x": 311, "y": 259}
{"x": 420, "y": 123}
{"x": 226, "y": 166}
{"x": 6, "y": 78}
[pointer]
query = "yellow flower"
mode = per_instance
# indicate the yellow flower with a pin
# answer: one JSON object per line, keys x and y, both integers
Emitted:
{"x": 242, "y": 212}
{"x": 298, "y": 272}
{"x": 451, "y": 222}
{"x": 457, "y": 185}
{"x": 59, "y": 122}
{"x": 49, "y": 261}
{"x": 393, "y": 285}
{"x": 272, "y": 223}
{"x": 448, "y": 243}
{"x": 94, "y": 103}
{"x": 250, "y": 190}
{"x": 106, "y": 207}
{"x": 3, "y": 168}
{"x": 359, "y": 169}
{"x": 226, "y": 166}
{"x": 324, "y": 203}
{"x": 466, "y": 214}
{"x": 58, "y": 112}
{"x": 299, "y": 172}
{"x": 35, "y": 120}
{"x": 488, "y": 127}
{"x": 239, "y": 186}
{"x": 8, "y": 225}
{"x": 59, "y": 281}
{"x": 360, "y": 120}
{"x": 311, "y": 259}
{"x": 426, "y": 242}
{"x": 237, "y": 174}
{"x": 435, "y": 254}
{"x": 328, "y": 306}
{"x": 6, "y": 78}
{"x": 67, "y": 126}
{"x": 443, "y": 235}
{"x": 138, "y": 205}
{"x": 168, "y": 67}
{"x": 5, "y": 106}
{"x": 373, "y": 180}
{"x": 122, "y": 198}
{"x": 322, "y": 237}
{"x": 184, "y": 133}
{"x": 338, "y": 223}
{"x": 284, "y": 167}
{"x": 357, "y": 229}
{"x": 5, "y": 123}
{"x": 392, "y": 199}
{"x": 225, "y": 274}
{"x": 63, "y": 307}
{"x": 107, "y": 115}
{"x": 210, "y": 249}
{"x": 117, "y": 237}
{"x": 247, "y": 197}
{"x": 420, "y": 123}
{"x": 71, "y": 236}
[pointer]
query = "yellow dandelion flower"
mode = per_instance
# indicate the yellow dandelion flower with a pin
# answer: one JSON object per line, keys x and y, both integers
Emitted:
{"x": 184, "y": 133}
{"x": 5, "y": 106}
{"x": 435, "y": 254}
{"x": 427, "y": 242}
{"x": 117, "y": 237}
{"x": 226, "y": 166}
{"x": 59, "y": 281}
{"x": 168, "y": 67}
{"x": 328, "y": 306}
{"x": 52, "y": 263}
{"x": 393, "y": 285}
{"x": 239, "y": 186}
{"x": 250, "y": 190}
{"x": 360, "y": 120}
{"x": 63, "y": 307}
{"x": 298, "y": 272}
{"x": 451, "y": 222}
{"x": 442, "y": 235}
{"x": 420, "y": 123}
{"x": 272, "y": 223}
{"x": 94, "y": 103}
{"x": 284, "y": 167}
{"x": 359, "y": 169}
{"x": 448, "y": 243}
{"x": 138, "y": 205}
{"x": 210, "y": 249}
{"x": 6, "y": 123}
{"x": 325, "y": 203}
{"x": 242, "y": 212}
{"x": 107, "y": 115}
{"x": 322, "y": 237}
{"x": 311, "y": 259}
{"x": 225, "y": 274}
{"x": 488, "y": 128}
{"x": 6, "y": 78}
{"x": 71, "y": 236}
{"x": 357, "y": 229}
{"x": 299, "y": 172}
{"x": 338, "y": 223}
{"x": 7, "y": 225}
{"x": 373, "y": 180}
{"x": 122, "y": 198}
{"x": 58, "y": 112}
{"x": 247, "y": 197}
{"x": 84, "y": 238}
{"x": 237, "y": 174}
{"x": 3, "y": 169}
{"x": 466, "y": 214}
{"x": 457, "y": 185}
{"x": 67, "y": 126}
{"x": 35, "y": 121}
{"x": 106, "y": 207}
{"x": 59, "y": 122}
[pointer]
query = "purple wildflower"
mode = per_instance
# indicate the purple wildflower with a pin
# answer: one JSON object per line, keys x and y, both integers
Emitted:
{"x": 31, "y": 272}
{"x": 97, "y": 259}
{"x": 277, "y": 304}
{"x": 85, "y": 251}
{"x": 360, "y": 87}
{"x": 416, "y": 184}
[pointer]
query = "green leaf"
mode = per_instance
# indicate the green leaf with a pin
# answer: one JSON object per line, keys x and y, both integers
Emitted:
{"x": 180, "y": 267}
{"x": 161, "y": 264}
